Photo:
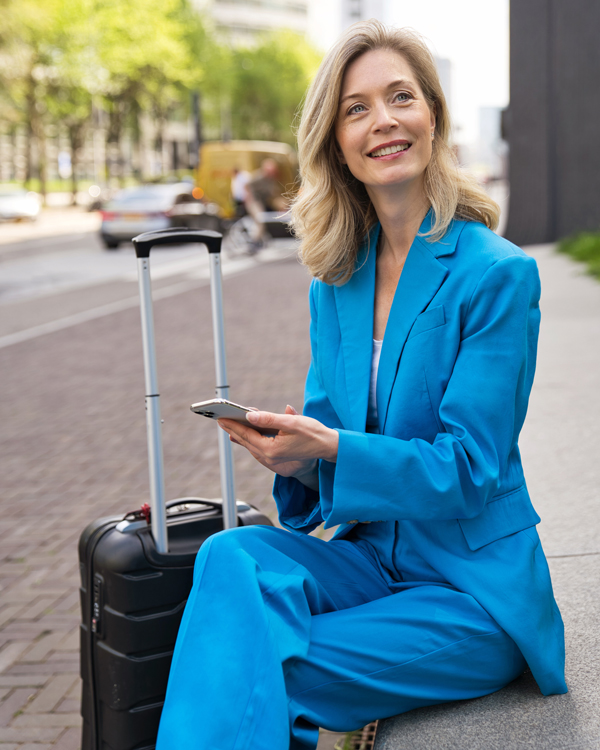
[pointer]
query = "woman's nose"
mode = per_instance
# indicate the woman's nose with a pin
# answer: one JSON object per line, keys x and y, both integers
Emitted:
{"x": 384, "y": 118}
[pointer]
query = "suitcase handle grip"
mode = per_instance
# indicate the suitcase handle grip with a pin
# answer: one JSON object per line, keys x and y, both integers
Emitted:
{"x": 217, "y": 504}
{"x": 143, "y": 243}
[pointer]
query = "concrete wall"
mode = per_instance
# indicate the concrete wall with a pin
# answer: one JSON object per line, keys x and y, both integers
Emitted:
{"x": 553, "y": 121}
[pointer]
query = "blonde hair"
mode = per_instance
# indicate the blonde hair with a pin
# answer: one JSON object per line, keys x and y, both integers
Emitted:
{"x": 332, "y": 212}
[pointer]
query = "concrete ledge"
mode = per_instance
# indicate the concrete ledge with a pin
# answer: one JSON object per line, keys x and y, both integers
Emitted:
{"x": 519, "y": 716}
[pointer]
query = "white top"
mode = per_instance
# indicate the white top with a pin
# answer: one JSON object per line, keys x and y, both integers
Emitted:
{"x": 238, "y": 185}
{"x": 372, "y": 407}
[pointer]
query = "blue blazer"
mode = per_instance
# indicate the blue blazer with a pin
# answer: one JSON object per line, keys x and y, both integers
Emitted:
{"x": 455, "y": 373}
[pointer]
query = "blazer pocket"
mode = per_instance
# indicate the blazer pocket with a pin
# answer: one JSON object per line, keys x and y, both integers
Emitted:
{"x": 432, "y": 318}
{"x": 502, "y": 516}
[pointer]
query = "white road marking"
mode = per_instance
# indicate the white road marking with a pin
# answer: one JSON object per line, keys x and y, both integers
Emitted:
{"x": 56, "y": 273}
{"x": 195, "y": 280}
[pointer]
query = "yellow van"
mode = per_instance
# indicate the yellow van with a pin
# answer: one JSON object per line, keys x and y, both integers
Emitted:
{"x": 219, "y": 159}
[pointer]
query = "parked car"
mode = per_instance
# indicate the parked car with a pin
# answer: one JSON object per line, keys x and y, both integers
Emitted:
{"x": 141, "y": 209}
{"x": 196, "y": 214}
{"x": 17, "y": 204}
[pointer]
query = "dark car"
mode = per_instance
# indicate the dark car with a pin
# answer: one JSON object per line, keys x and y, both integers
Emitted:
{"x": 195, "y": 214}
{"x": 140, "y": 209}
{"x": 150, "y": 207}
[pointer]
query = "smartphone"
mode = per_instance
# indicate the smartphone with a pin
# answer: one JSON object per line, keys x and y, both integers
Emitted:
{"x": 220, "y": 408}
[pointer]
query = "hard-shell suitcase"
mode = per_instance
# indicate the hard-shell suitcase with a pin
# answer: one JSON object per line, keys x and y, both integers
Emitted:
{"x": 136, "y": 571}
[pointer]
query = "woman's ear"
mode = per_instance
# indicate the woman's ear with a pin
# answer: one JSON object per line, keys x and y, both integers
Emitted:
{"x": 337, "y": 151}
{"x": 433, "y": 117}
{"x": 333, "y": 150}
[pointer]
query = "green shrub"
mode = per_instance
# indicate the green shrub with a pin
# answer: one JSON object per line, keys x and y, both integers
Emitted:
{"x": 584, "y": 247}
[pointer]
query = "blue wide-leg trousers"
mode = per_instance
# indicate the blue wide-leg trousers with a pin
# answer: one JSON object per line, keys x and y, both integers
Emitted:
{"x": 283, "y": 634}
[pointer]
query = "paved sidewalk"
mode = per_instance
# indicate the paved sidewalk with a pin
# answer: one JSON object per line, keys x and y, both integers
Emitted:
{"x": 560, "y": 448}
{"x": 50, "y": 223}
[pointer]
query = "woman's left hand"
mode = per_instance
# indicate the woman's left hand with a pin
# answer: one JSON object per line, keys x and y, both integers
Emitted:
{"x": 298, "y": 442}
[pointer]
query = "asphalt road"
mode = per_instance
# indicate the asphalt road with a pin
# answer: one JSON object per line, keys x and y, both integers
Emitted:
{"x": 55, "y": 273}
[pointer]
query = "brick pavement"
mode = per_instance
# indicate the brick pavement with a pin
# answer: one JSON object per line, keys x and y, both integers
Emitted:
{"x": 72, "y": 440}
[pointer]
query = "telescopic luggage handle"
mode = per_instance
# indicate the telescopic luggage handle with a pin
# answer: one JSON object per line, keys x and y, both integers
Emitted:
{"x": 143, "y": 243}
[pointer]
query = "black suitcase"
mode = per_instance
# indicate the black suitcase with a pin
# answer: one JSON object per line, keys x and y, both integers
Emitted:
{"x": 136, "y": 571}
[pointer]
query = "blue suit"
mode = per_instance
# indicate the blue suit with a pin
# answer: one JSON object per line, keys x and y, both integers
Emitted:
{"x": 435, "y": 586}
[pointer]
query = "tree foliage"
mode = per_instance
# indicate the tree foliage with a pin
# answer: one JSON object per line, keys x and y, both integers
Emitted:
{"x": 268, "y": 85}
{"x": 61, "y": 59}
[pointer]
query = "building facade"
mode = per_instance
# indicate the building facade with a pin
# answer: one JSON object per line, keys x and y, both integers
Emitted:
{"x": 360, "y": 10}
{"x": 242, "y": 20}
{"x": 551, "y": 123}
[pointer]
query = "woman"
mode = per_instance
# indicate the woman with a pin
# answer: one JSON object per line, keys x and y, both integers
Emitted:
{"x": 424, "y": 331}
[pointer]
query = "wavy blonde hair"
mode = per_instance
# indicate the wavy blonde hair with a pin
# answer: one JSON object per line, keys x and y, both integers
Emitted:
{"x": 332, "y": 212}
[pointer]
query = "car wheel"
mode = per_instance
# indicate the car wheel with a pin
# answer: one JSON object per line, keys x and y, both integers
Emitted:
{"x": 110, "y": 244}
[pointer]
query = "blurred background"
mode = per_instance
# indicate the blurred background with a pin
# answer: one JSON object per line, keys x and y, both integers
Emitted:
{"x": 99, "y": 96}
{"x": 103, "y": 94}
{"x": 96, "y": 96}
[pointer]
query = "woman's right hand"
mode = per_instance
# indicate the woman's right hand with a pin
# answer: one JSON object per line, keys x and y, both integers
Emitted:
{"x": 293, "y": 450}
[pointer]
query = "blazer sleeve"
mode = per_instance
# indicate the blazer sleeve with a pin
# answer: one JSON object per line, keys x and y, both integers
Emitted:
{"x": 482, "y": 412}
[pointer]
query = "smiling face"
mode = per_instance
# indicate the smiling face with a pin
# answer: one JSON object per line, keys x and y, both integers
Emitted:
{"x": 384, "y": 124}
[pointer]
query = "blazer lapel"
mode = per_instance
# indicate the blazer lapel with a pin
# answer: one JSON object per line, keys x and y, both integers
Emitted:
{"x": 355, "y": 302}
{"x": 421, "y": 278}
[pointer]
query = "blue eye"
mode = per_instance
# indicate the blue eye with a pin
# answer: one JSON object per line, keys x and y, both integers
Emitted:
{"x": 356, "y": 109}
{"x": 405, "y": 96}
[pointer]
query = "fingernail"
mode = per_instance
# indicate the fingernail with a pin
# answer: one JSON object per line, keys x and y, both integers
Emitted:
{"x": 252, "y": 416}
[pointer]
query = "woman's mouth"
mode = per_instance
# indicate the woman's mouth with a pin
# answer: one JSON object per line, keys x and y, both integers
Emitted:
{"x": 389, "y": 150}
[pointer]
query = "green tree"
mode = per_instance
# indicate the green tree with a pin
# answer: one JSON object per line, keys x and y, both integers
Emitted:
{"x": 47, "y": 64}
{"x": 29, "y": 30}
{"x": 269, "y": 84}
{"x": 57, "y": 55}
{"x": 74, "y": 77}
{"x": 212, "y": 70}
{"x": 142, "y": 49}
{"x": 10, "y": 113}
